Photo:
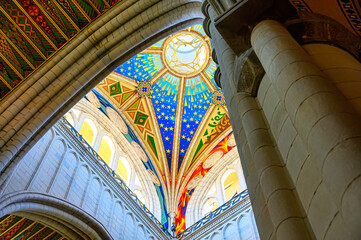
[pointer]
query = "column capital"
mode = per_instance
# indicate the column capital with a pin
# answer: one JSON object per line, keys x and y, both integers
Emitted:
{"x": 236, "y": 23}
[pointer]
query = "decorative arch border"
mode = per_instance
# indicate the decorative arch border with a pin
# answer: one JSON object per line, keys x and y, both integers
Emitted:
{"x": 59, "y": 215}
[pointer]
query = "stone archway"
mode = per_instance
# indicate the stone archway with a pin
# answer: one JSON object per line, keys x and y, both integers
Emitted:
{"x": 55, "y": 213}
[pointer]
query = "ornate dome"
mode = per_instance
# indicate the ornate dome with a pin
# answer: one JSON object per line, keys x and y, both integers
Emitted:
{"x": 168, "y": 97}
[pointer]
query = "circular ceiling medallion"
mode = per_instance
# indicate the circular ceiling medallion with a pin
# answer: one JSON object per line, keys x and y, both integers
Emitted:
{"x": 218, "y": 98}
{"x": 194, "y": 182}
{"x": 117, "y": 120}
{"x": 231, "y": 140}
{"x": 186, "y": 54}
{"x": 140, "y": 152}
{"x": 212, "y": 159}
{"x": 93, "y": 99}
{"x": 153, "y": 177}
{"x": 144, "y": 89}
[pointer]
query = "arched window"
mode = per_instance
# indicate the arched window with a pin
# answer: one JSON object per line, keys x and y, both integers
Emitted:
{"x": 106, "y": 149}
{"x": 88, "y": 131}
{"x": 230, "y": 184}
{"x": 210, "y": 205}
{"x": 123, "y": 169}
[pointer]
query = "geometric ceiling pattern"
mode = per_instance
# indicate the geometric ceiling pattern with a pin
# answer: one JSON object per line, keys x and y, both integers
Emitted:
{"x": 15, "y": 227}
{"x": 33, "y": 30}
{"x": 168, "y": 96}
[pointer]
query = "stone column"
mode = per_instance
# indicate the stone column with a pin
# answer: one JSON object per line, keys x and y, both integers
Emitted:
{"x": 276, "y": 208}
{"x": 329, "y": 128}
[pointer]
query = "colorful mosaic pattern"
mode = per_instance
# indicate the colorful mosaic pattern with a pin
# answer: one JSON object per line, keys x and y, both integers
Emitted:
{"x": 32, "y": 30}
{"x": 15, "y": 227}
{"x": 180, "y": 223}
{"x": 172, "y": 103}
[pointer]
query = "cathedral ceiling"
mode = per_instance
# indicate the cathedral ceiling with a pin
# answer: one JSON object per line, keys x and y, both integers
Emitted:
{"x": 177, "y": 115}
{"x": 167, "y": 93}
{"x": 33, "y": 30}
{"x": 15, "y": 227}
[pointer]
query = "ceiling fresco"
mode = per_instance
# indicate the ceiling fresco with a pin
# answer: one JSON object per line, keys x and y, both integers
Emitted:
{"x": 15, "y": 227}
{"x": 168, "y": 96}
{"x": 31, "y": 31}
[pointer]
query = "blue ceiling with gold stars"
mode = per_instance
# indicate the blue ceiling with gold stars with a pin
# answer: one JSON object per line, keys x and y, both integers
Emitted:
{"x": 168, "y": 96}
{"x": 179, "y": 72}
{"x": 167, "y": 93}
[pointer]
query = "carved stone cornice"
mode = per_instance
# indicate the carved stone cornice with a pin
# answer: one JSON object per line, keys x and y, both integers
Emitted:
{"x": 236, "y": 24}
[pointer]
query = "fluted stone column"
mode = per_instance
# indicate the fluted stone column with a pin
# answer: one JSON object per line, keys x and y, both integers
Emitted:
{"x": 328, "y": 127}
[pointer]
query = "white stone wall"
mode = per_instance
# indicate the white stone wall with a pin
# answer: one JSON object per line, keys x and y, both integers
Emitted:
{"x": 59, "y": 166}
{"x": 237, "y": 223}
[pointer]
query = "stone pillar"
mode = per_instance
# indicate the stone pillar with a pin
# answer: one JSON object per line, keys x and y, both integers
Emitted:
{"x": 329, "y": 128}
{"x": 277, "y": 210}
{"x": 276, "y": 207}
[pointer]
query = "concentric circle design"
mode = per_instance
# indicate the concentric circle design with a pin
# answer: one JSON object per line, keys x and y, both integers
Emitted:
{"x": 218, "y": 98}
{"x": 144, "y": 89}
{"x": 186, "y": 54}
{"x": 212, "y": 159}
{"x": 93, "y": 99}
{"x": 140, "y": 152}
{"x": 194, "y": 182}
{"x": 153, "y": 177}
{"x": 117, "y": 120}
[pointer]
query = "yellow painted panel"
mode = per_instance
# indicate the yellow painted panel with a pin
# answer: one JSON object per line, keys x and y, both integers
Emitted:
{"x": 122, "y": 170}
{"x": 87, "y": 132}
{"x": 104, "y": 151}
{"x": 231, "y": 185}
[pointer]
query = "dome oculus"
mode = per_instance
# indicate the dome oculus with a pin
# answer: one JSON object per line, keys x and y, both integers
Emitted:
{"x": 186, "y": 54}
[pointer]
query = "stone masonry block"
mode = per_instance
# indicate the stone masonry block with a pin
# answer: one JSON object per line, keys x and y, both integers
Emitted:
{"x": 296, "y": 158}
{"x": 321, "y": 211}
{"x": 307, "y": 182}
{"x": 282, "y": 205}
{"x": 273, "y": 179}
{"x": 286, "y": 138}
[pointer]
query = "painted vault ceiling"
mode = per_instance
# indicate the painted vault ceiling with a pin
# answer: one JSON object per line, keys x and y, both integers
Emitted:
{"x": 15, "y": 227}
{"x": 31, "y": 31}
{"x": 168, "y": 97}
{"x": 166, "y": 94}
